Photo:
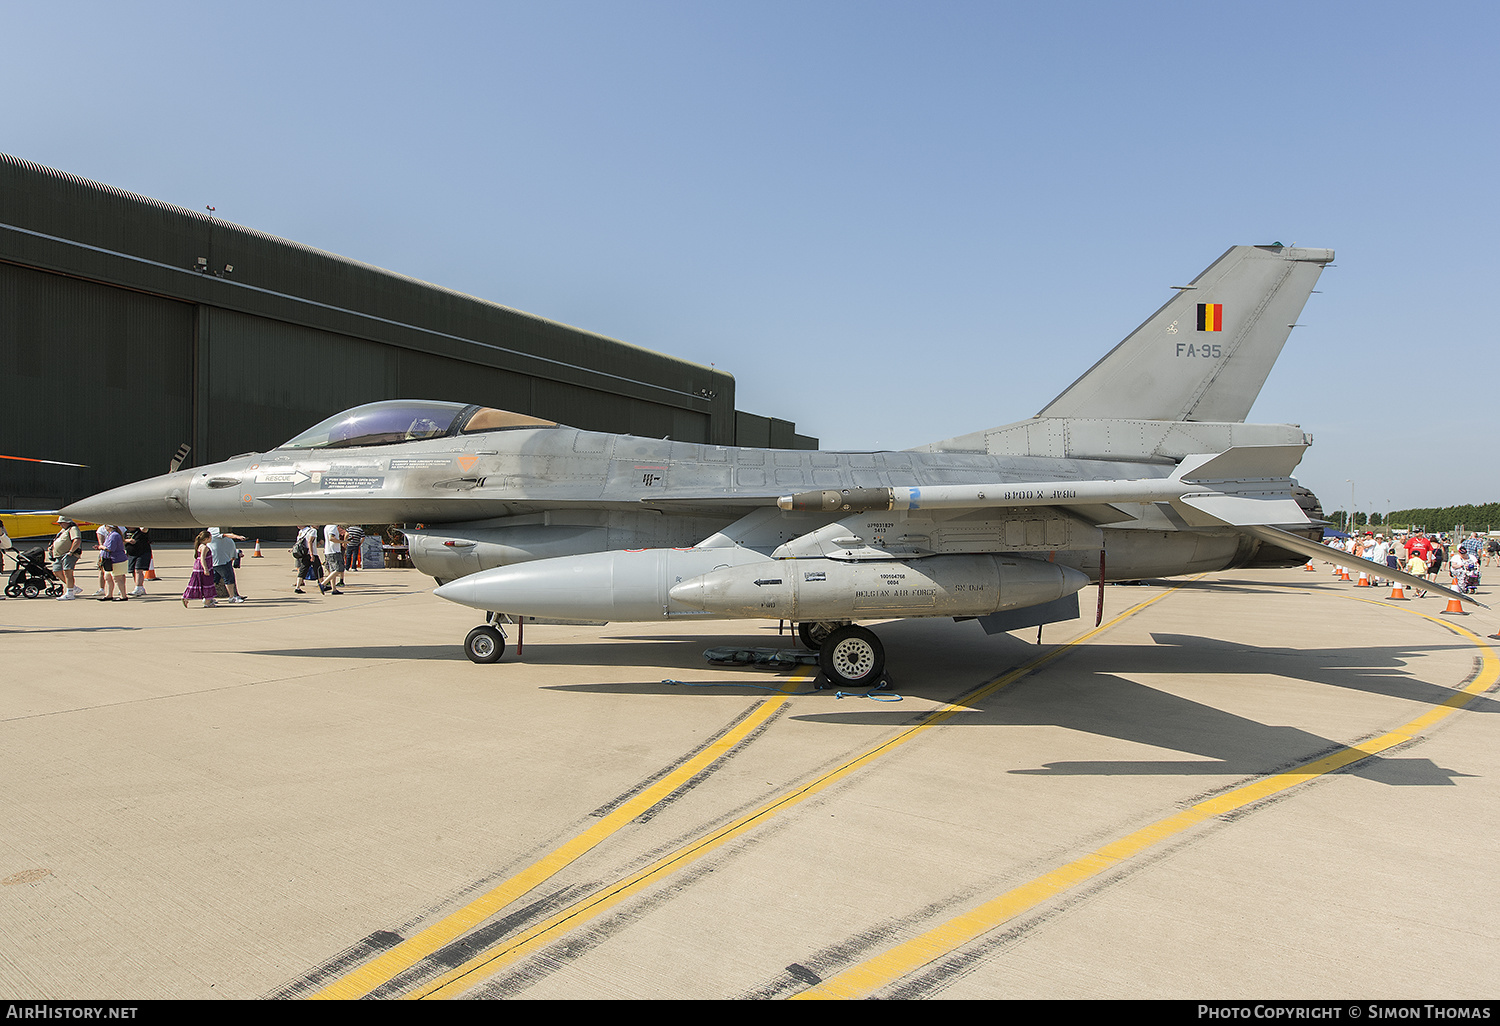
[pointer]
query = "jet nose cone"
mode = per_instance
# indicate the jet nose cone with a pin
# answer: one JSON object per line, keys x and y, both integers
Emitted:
{"x": 155, "y": 502}
{"x": 461, "y": 591}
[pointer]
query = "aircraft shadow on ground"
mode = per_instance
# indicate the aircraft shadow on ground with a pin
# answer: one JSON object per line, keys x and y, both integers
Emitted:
{"x": 312, "y": 593}
{"x": 373, "y": 652}
{"x": 679, "y": 655}
{"x": 1090, "y": 691}
{"x": 1250, "y": 587}
{"x": 92, "y": 629}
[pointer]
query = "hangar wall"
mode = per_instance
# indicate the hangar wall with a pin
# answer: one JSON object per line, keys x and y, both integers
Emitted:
{"x": 129, "y": 327}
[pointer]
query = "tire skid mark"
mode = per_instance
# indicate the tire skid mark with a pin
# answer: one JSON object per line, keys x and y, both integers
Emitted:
{"x": 492, "y": 932}
{"x": 355, "y": 954}
{"x": 536, "y": 941}
{"x": 667, "y": 770}
{"x": 925, "y": 962}
{"x": 496, "y": 931}
{"x": 556, "y": 956}
{"x": 419, "y": 948}
{"x": 712, "y": 767}
{"x": 562, "y": 952}
{"x": 829, "y": 960}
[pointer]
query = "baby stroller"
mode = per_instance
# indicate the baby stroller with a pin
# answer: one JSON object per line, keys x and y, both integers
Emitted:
{"x": 1470, "y": 582}
{"x": 32, "y": 576}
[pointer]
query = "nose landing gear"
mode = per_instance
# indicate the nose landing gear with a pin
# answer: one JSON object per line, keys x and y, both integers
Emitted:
{"x": 485, "y": 643}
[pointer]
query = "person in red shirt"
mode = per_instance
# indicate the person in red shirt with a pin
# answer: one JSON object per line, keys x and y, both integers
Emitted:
{"x": 1418, "y": 546}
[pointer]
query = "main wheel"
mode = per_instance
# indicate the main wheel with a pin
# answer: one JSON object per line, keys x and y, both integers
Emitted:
{"x": 13, "y": 590}
{"x": 485, "y": 644}
{"x": 31, "y": 589}
{"x": 852, "y": 657}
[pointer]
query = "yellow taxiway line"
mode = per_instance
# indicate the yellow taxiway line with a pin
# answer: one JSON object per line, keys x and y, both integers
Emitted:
{"x": 492, "y": 960}
{"x": 864, "y": 979}
{"x": 366, "y": 978}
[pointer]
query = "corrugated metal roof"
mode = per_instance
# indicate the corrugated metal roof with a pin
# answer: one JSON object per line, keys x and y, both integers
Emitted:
{"x": 206, "y": 219}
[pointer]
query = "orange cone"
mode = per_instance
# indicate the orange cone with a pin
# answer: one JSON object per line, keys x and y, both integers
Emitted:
{"x": 1309, "y": 567}
{"x": 1397, "y": 592}
{"x": 256, "y": 554}
{"x": 1364, "y": 580}
{"x": 1455, "y": 606}
{"x": 150, "y": 574}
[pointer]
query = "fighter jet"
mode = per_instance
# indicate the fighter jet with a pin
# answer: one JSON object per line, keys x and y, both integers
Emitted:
{"x": 1143, "y": 467}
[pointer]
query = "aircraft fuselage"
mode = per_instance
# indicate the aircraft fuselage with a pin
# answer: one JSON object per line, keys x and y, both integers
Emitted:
{"x": 480, "y": 494}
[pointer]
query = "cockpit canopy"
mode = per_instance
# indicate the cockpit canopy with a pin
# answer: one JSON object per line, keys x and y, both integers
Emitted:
{"x": 407, "y": 420}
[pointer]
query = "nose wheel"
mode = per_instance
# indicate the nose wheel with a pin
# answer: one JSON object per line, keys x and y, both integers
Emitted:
{"x": 485, "y": 644}
{"x": 852, "y": 657}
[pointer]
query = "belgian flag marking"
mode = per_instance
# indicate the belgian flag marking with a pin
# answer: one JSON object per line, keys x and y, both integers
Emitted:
{"x": 1210, "y": 316}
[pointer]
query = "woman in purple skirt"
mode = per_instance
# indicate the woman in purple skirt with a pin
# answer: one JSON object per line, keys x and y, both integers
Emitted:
{"x": 201, "y": 584}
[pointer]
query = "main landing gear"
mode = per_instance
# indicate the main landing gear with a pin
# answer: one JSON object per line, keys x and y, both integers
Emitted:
{"x": 851, "y": 656}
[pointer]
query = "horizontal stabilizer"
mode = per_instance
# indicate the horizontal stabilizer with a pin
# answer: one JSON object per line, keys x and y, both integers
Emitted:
{"x": 1243, "y": 463}
{"x": 1316, "y": 550}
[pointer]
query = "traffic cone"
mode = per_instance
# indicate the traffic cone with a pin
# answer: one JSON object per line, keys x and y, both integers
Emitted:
{"x": 1397, "y": 592}
{"x": 1455, "y": 606}
{"x": 1364, "y": 580}
{"x": 256, "y": 554}
{"x": 150, "y": 571}
{"x": 1309, "y": 567}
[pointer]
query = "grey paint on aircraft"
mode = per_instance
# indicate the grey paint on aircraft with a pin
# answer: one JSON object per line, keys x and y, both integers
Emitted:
{"x": 545, "y": 520}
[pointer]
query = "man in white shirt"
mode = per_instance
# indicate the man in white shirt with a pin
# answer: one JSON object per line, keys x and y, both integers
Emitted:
{"x": 64, "y": 552}
{"x": 333, "y": 556}
{"x": 1381, "y": 548}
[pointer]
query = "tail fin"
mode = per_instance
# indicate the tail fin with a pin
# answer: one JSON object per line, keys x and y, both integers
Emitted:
{"x": 1204, "y": 355}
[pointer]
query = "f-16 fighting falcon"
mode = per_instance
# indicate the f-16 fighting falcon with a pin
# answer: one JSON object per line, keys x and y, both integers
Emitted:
{"x": 1143, "y": 467}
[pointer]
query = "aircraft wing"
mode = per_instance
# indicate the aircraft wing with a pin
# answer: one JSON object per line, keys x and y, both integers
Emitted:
{"x": 33, "y": 459}
{"x": 1245, "y": 488}
{"x": 1243, "y": 485}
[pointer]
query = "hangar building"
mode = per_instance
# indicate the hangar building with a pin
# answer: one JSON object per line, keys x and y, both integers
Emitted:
{"x": 129, "y": 327}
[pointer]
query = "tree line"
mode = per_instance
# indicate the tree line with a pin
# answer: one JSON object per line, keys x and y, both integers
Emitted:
{"x": 1440, "y": 518}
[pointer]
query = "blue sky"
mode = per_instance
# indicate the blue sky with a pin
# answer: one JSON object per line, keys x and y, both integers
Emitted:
{"x": 893, "y": 222}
